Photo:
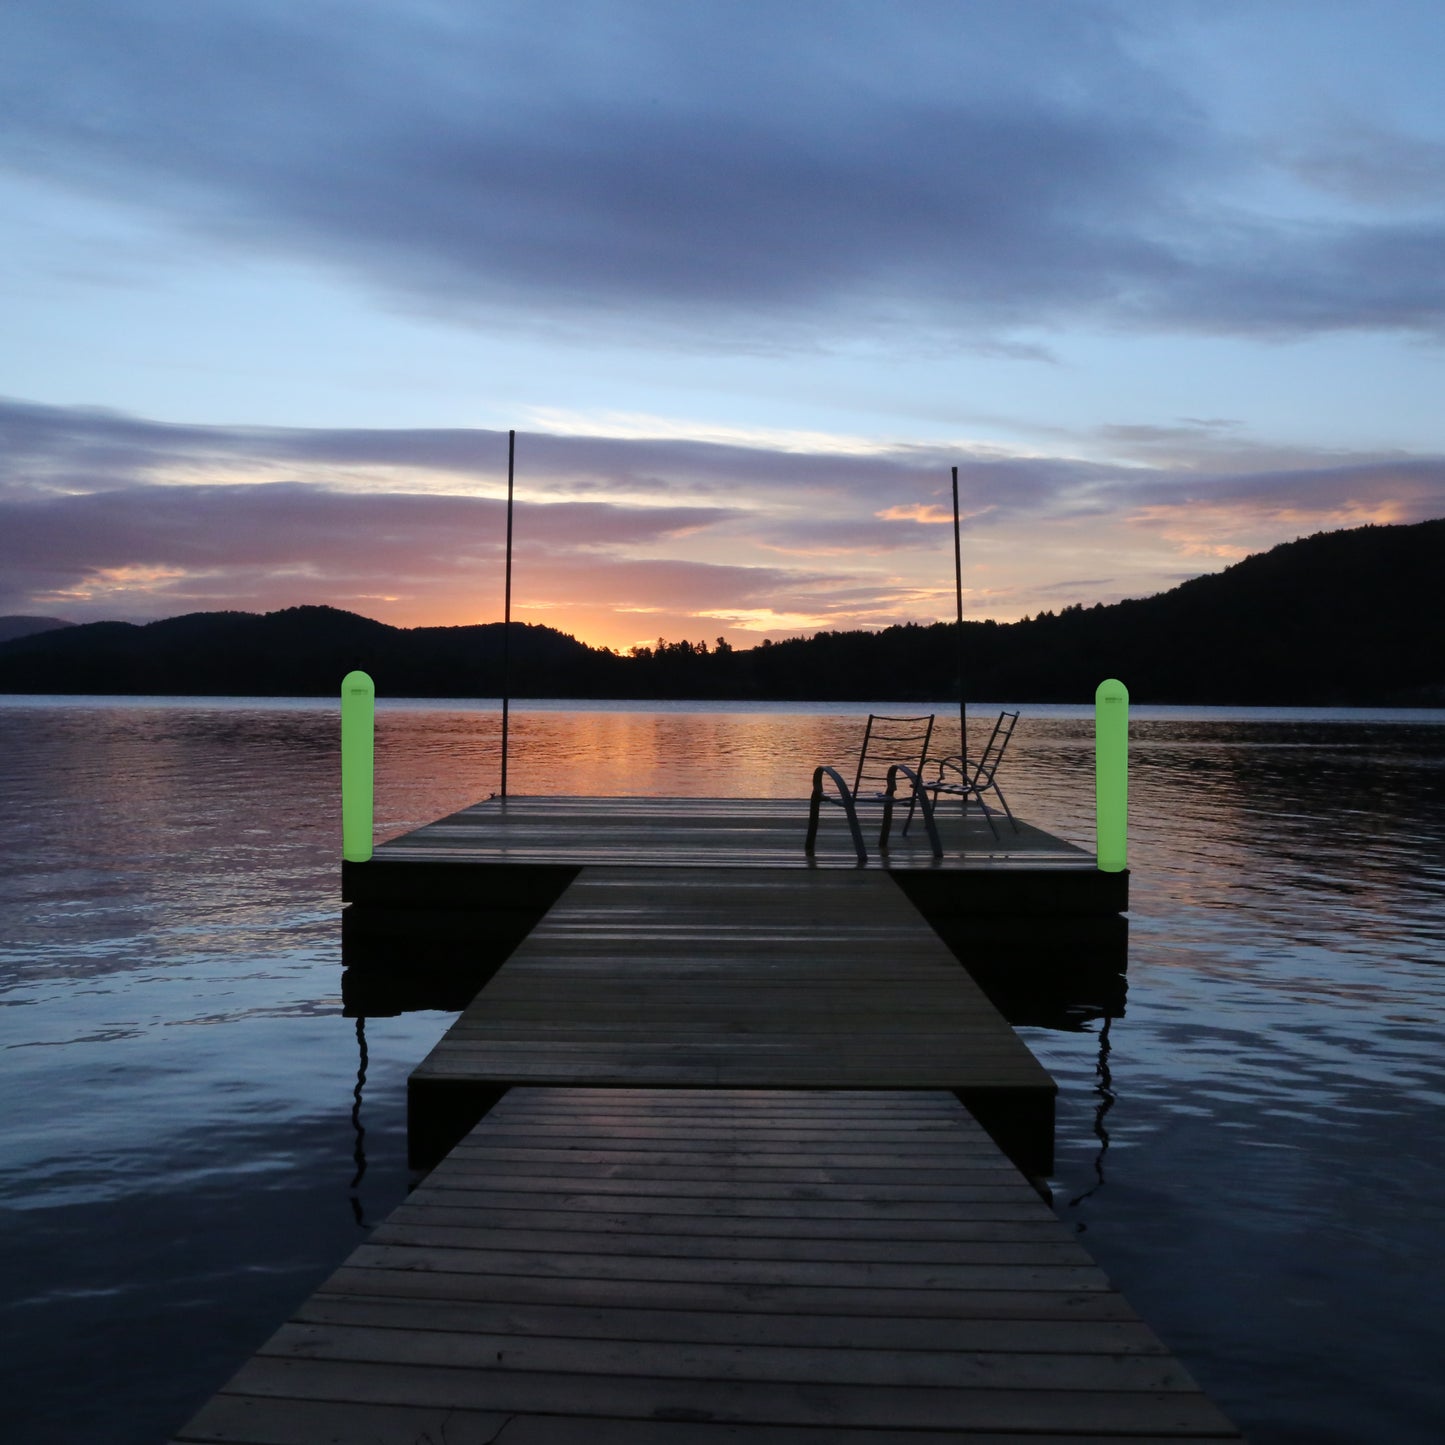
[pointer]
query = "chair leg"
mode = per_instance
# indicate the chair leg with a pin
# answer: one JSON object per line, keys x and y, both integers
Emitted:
{"x": 987, "y": 816}
{"x": 921, "y": 798}
{"x": 812, "y": 837}
{"x": 1004, "y": 802}
{"x": 857, "y": 832}
{"x": 845, "y": 799}
{"x": 917, "y": 798}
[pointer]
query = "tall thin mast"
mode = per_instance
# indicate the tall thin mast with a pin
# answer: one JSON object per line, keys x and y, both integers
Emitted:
{"x": 507, "y": 613}
{"x": 958, "y": 590}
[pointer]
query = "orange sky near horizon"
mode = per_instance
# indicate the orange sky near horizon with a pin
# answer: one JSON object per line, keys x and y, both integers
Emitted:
{"x": 1162, "y": 282}
{"x": 623, "y": 541}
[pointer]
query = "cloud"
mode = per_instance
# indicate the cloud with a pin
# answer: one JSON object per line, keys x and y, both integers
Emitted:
{"x": 1394, "y": 489}
{"x": 924, "y": 512}
{"x": 60, "y": 450}
{"x": 746, "y": 176}
{"x": 1371, "y": 165}
{"x": 106, "y": 515}
{"x": 273, "y": 528}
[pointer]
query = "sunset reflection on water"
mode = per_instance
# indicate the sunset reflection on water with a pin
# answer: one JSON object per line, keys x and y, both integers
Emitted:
{"x": 180, "y": 1171}
{"x": 608, "y": 752}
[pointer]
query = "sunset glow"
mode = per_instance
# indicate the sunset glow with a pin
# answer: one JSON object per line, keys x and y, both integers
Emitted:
{"x": 1146, "y": 276}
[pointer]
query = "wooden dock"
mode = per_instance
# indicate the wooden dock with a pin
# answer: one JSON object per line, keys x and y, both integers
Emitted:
{"x": 728, "y": 1147}
{"x": 735, "y": 978}
{"x": 693, "y": 1267}
{"x": 521, "y": 852}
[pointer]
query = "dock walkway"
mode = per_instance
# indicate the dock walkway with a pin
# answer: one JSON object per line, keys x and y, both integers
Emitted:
{"x": 692, "y": 1267}
{"x": 730, "y": 1148}
{"x": 739, "y": 977}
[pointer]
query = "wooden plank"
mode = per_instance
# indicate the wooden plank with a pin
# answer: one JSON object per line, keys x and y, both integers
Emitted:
{"x": 691, "y": 1269}
{"x": 802, "y": 1185}
{"x": 1031, "y": 1336}
{"x": 262, "y": 1421}
{"x": 684, "y": 977}
{"x": 839, "y": 1319}
{"x": 1184, "y": 1413}
{"x": 465, "y": 1212}
{"x": 855, "y": 1109}
{"x": 798, "y": 1247}
{"x": 536, "y": 1130}
{"x": 590, "y": 1164}
{"x": 727, "y": 1296}
{"x": 259, "y": 1420}
{"x": 662, "y": 1201}
{"x": 981, "y": 1369}
{"x": 812, "y": 1113}
{"x": 828, "y": 1153}
{"x": 548, "y": 1430}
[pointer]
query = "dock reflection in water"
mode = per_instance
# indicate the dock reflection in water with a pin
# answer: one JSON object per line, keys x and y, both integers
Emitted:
{"x": 177, "y": 1175}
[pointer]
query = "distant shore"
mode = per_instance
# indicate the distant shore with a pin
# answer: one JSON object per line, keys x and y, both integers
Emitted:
{"x": 1341, "y": 619}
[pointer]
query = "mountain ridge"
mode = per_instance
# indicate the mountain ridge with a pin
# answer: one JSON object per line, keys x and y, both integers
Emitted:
{"x": 23, "y": 625}
{"x": 1350, "y": 617}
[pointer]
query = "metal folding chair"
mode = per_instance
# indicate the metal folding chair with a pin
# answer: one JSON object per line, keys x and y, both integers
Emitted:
{"x": 893, "y": 747}
{"x": 959, "y": 778}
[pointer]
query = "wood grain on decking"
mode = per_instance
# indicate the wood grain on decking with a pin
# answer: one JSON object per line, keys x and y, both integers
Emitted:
{"x": 711, "y": 832}
{"x": 737, "y": 978}
{"x": 685, "y": 1267}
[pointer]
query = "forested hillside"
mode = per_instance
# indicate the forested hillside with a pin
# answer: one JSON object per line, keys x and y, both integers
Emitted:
{"x": 1340, "y": 618}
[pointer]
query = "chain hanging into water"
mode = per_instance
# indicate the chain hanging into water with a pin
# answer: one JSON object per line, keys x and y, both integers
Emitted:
{"x": 358, "y": 1153}
{"x": 1105, "y": 1090}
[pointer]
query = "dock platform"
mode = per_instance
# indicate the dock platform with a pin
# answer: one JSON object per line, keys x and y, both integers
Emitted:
{"x": 643, "y": 977}
{"x": 522, "y": 851}
{"x": 694, "y": 1267}
{"x": 728, "y": 1147}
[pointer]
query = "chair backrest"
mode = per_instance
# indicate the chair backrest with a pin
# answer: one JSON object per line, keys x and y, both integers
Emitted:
{"x": 889, "y": 740}
{"x": 993, "y": 751}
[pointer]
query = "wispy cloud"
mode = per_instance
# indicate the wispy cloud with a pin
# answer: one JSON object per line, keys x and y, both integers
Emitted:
{"x": 753, "y": 176}
{"x": 104, "y": 515}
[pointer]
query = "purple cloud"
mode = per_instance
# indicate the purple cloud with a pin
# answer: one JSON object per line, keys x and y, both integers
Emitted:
{"x": 751, "y": 173}
{"x": 106, "y": 515}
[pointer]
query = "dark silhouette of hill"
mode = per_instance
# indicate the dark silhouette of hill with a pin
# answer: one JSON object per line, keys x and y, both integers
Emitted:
{"x": 1337, "y": 619}
{"x": 1341, "y": 618}
{"x": 12, "y": 627}
{"x": 298, "y": 652}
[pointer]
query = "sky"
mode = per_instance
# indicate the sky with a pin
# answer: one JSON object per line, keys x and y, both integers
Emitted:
{"x": 1164, "y": 280}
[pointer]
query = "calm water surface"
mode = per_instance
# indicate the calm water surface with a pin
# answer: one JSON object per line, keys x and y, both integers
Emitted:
{"x": 1253, "y": 1150}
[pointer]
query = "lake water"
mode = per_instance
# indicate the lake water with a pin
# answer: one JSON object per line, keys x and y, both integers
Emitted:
{"x": 1253, "y": 1151}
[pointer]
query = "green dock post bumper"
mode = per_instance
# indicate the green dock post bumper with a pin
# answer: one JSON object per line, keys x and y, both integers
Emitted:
{"x": 1111, "y": 774}
{"x": 358, "y": 721}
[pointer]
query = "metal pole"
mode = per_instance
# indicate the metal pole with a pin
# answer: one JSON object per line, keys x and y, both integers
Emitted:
{"x": 507, "y": 613}
{"x": 958, "y": 589}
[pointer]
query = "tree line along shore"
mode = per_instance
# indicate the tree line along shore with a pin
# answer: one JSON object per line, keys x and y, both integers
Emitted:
{"x": 1346, "y": 618}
